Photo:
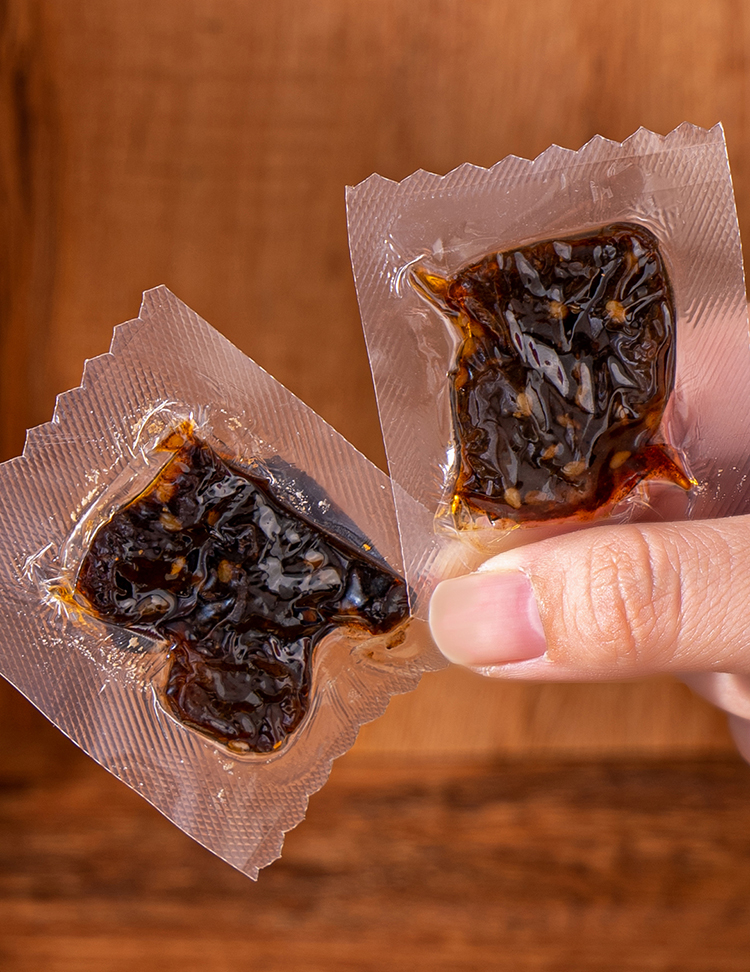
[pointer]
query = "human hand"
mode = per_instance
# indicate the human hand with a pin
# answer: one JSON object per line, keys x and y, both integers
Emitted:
{"x": 612, "y": 602}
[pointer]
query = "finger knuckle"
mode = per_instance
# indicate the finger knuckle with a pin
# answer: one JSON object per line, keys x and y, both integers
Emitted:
{"x": 635, "y": 600}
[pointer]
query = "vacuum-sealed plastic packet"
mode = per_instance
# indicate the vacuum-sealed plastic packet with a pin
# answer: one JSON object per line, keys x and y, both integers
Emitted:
{"x": 202, "y": 583}
{"x": 555, "y": 342}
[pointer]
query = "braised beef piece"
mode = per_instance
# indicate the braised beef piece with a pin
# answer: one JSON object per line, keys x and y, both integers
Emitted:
{"x": 564, "y": 369}
{"x": 240, "y": 587}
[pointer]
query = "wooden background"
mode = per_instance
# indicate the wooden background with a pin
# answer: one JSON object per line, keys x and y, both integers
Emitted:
{"x": 205, "y": 144}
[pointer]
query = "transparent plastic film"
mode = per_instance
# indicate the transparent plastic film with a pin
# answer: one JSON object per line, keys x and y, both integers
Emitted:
{"x": 555, "y": 343}
{"x": 202, "y": 583}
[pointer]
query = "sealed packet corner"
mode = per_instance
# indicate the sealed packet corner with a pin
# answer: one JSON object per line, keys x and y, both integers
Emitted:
{"x": 555, "y": 342}
{"x": 202, "y": 583}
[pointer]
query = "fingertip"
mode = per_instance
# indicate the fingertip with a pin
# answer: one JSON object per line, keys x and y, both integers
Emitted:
{"x": 486, "y": 619}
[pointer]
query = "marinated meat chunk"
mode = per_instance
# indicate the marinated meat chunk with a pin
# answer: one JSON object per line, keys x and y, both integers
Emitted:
{"x": 241, "y": 589}
{"x": 564, "y": 369}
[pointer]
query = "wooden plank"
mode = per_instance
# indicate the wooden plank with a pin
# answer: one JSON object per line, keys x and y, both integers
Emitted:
{"x": 206, "y": 146}
{"x": 405, "y": 864}
{"x": 29, "y": 183}
{"x": 456, "y": 711}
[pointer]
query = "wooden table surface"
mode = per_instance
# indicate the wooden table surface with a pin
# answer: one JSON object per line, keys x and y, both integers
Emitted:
{"x": 404, "y": 864}
{"x": 205, "y": 144}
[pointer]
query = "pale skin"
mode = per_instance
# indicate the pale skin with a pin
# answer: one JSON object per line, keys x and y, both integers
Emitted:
{"x": 612, "y": 602}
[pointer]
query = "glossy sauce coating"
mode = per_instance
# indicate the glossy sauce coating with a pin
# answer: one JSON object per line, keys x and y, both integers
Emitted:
{"x": 240, "y": 587}
{"x": 564, "y": 369}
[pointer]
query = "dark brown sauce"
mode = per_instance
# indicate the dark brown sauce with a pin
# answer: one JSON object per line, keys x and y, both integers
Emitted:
{"x": 240, "y": 587}
{"x": 565, "y": 367}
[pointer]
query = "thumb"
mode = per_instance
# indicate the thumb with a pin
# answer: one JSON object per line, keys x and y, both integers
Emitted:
{"x": 607, "y": 602}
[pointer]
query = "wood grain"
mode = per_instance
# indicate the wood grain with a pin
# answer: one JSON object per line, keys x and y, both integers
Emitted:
{"x": 410, "y": 865}
{"x": 206, "y": 145}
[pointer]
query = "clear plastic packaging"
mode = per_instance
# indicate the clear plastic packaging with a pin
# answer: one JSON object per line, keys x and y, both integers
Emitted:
{"x": 436, "y": 260}
{"x": 171, "y": 383}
